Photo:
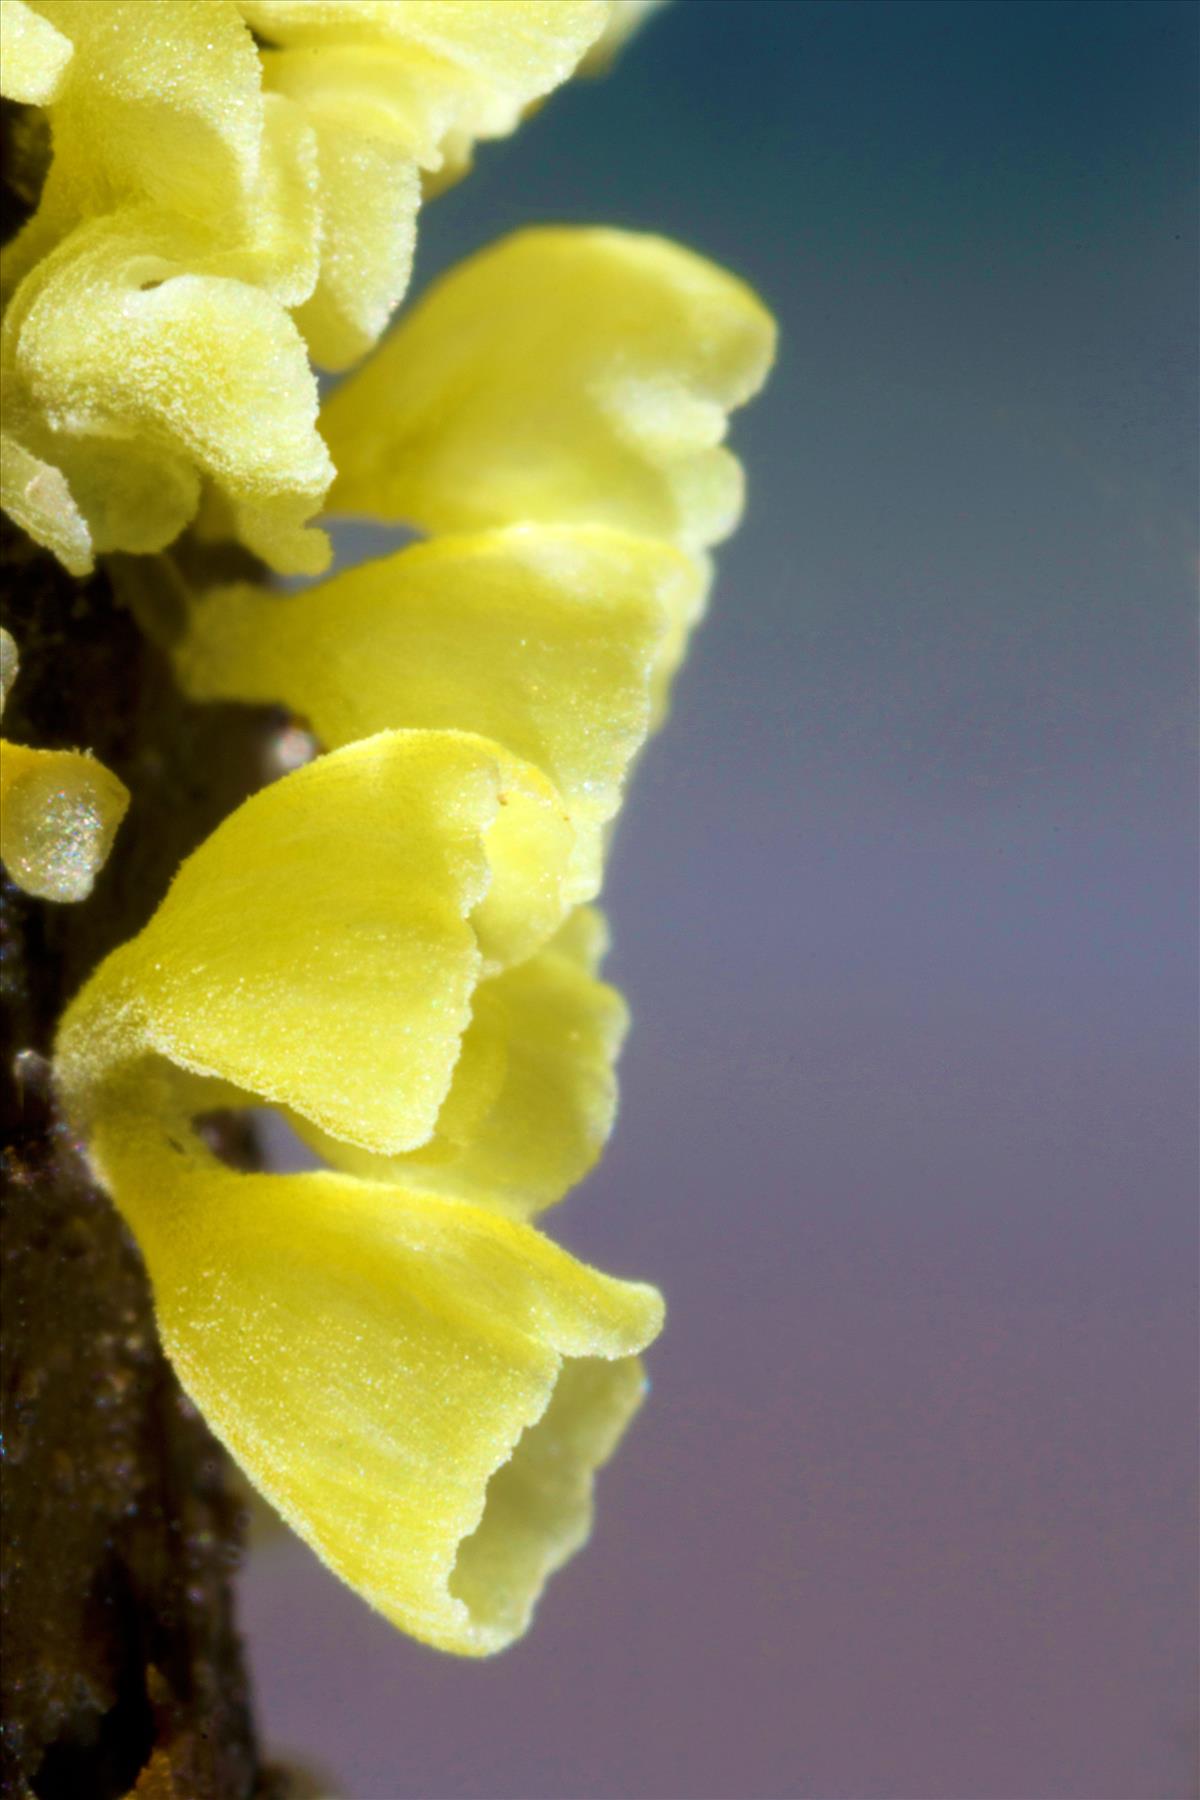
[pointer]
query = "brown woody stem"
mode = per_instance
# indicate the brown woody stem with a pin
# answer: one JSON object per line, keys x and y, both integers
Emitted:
{"x": 121, "y": 1671}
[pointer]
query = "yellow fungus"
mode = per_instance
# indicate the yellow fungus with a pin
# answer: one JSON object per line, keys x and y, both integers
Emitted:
{"x": 370, "y": 194}
{"x": 161, "y": 111}
{"x": 33, "y": 55}
{"x": 59, "y": 809}
{"x": 563, "y": 376}
{"x": 161, "y": 107}
{"x": 321, "y": 948}
{"x": 390, "y": 943}
{"x": 502, "y": 52}
{"x": 329, "y": 948}
{"x": 555, "y": 641}
{"x": 391, "y": 93}
{"x": 108, "y": 346}
{"x": 421, "y": 1388}
{"x": 534, "y": 1092}
{"x": 59, "y": 812}
{"x": 200, "y": 193}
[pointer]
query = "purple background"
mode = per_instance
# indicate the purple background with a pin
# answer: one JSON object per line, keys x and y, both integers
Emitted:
{"x": 903, "y": 903}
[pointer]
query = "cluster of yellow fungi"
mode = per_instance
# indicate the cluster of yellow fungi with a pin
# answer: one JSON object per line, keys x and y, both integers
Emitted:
{"x": 393, "y": 944}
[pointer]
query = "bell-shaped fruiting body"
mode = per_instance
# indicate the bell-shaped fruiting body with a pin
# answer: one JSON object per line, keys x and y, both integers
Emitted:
{"x": 422, "y": 1388}
{"x": 321, "y": 948}
{"x": 564, "y": 376}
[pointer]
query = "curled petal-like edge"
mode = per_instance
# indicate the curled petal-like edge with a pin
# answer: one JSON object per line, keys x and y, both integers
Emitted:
{"x": 563, "y": 376}
{"x": 33, "y": 55}
{"x": 392, "y": 92}
{"x": 162, "y": 107}
{"x": 421, "y": 1388}
{"x": 556, "y": 641}
{"x": 501, "y": 53}
{"x": 370, "y": 195}
{"x": 270, "y": 236}
{"x": 421, "y": 74}
{"x": 278, "y": 247}
{"x": 59, "y": 813}
{"x": 320, "y": 950}
{"x": 110, "y": 338}
{"x": 534, "y": 1092}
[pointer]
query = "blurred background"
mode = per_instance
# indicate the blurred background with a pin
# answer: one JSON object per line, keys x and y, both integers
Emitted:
{"x": 903, "y": 902}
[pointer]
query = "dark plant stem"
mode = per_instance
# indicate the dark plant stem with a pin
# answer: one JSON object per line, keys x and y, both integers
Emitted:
{"x": 121, "y": 1672}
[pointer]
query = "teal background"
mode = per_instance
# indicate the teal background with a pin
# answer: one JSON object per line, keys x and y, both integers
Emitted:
{"x": 903, "y": 902}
